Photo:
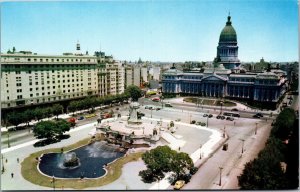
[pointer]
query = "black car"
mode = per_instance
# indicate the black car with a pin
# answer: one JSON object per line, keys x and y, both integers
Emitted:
{"x": 205, "y": 115}
{"x": 256, "y": 116}
{"x": 210, "y": 116}
{"x": 234, "y": 109}
{"x": 259, "y": 114}
{"x": 222, "y": 117}
{"x": 219, "y": 117}
{"x": 230, "y": 118}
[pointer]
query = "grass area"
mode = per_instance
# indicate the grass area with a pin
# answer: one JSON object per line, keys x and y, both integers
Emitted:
{"x": 30, "y": 171}
{"x": 213, "y": 102}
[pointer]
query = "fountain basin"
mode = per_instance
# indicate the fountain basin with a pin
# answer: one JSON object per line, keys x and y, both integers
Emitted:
{"x": 93, "y": 159}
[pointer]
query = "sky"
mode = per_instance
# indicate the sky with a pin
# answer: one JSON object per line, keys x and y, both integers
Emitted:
{"x": 157, "y": 30}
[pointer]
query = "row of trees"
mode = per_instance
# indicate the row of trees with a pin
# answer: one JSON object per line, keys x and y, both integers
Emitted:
{"x": 266, "y": 172}
{"x": 16, "y": 118}
{"x": 162, "y": 160}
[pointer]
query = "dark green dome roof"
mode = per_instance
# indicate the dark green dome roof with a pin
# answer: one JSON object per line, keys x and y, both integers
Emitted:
{"x": 228, "y": 33}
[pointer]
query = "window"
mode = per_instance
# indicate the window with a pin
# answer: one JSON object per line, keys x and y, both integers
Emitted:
{"x": 19, "y": 96}
{"x": 31, "y": 95}
{"x": 37, "y": 94}
{"x": 43, "y": 93}
{"x": 30, "y": 89}
{"x": 19, "y": 90}
{"x": 7, "y": 97}
{"x": 30, "y": 83}
{"x": 53, "y": 87}
{"x": 19, "y": 84}
{"x": 36, "y": 88}
{"x": 53, "y": 92}
{"x": 48, "y": 93}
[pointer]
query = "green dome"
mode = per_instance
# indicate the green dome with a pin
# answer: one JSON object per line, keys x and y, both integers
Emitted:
{"x": 228, "y": 33}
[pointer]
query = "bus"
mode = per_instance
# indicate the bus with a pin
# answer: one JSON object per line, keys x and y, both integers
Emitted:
{"x": 231, "y": 114}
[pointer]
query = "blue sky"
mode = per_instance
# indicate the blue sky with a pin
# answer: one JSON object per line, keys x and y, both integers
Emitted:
{"x": 181, "y": 30}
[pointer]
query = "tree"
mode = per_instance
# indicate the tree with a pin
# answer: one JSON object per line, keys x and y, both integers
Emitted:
{"x": 28, "y": 115}
{"x": 15, "y": 118}
{"x": 51, "y": 129}
{"x": 284, "y": 123}
{"x": 134, "y": 92}
{"x": 163, "y": 159}
{"x": 39, "y": 113}
{"x": 57, "y": 109}
{"x": 73, "y": 106}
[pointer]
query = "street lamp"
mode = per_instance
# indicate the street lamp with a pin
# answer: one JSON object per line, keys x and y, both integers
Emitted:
{"x": 8, "y": 144}
{"x": 255, "y": 128}
{"x": 3, "y": 169}
{"x": 242, "y": 145}
{"x": 207, "y": 122}
{"x": 200, "y": 151}
{"x": 221, "y": 103}
{"x": 220, "y": 182}
{"x": 224, "y": 131}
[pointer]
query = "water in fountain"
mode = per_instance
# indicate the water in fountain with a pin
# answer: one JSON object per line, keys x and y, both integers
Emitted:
{"x": 102, "y": 149}
{"x": 69, "y": 160}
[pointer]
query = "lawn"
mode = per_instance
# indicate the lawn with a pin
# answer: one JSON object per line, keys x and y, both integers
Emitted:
{"x": 31, "y": 173}
{"x": 213, "y": 102}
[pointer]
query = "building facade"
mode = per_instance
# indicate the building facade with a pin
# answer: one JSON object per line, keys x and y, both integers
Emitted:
{"x": 28, "y": 78}
{"x": 226, "y": 80}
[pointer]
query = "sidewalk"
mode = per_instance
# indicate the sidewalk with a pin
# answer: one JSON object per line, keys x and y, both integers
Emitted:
{"x": 241, "y": 107}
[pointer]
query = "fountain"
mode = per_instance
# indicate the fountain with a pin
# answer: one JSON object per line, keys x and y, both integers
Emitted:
{"x": 70, "y": 160}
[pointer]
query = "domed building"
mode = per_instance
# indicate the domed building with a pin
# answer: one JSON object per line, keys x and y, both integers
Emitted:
{"x": 227, "y": 50}
{"x": 226, "y": 79}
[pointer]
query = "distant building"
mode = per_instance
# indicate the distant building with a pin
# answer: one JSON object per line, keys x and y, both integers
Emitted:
{"x": 230, "y": 81}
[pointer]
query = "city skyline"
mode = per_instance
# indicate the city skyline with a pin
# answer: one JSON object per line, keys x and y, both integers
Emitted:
{"x": 174, "y": 31}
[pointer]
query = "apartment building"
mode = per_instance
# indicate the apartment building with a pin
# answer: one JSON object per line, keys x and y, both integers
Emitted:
{"x": 28, "y": 78}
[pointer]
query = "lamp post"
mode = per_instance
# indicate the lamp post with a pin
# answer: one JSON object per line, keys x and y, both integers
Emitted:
{"x": 224, "y": 131}
{"x": 221, "y": 103}
{"x": 8, "y": 144}
{"x": 200, "y": 151}
{"x": 3, "y": 169}
{"x": 255, "y": 128}
{"x": 220, "y": 182}
{"x": 242, "y": 146}
{"x": 207, "y": 122}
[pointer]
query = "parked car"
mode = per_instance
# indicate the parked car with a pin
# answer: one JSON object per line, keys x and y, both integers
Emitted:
{"x": 157, "y": 108}
{"x": 80, "y": 118}
{"x": 148, "y": 107}
{"x": 179, "y": 184}
{"x": 230, "y": 118}
{"x": 193, "y": 122}
{"x": 90, "y": 115}
{"x": 256, "y": 116}
{"x": 168, "y": 105}
{"x": 105, "y": 115}
{"x": 234, "y": 109}
{"x": 222, "y": 117}
{"x": 210, "y": 116}
{"x": 259, "y": 114}
{"x": 219, "y": 117}
{"x": 205, "y": 115}
{"x": 155, "y": 99}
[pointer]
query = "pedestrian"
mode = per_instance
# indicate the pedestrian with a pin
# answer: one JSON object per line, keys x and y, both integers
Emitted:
{"x": 12, "y": 175}
{"x": 18, "y": 160}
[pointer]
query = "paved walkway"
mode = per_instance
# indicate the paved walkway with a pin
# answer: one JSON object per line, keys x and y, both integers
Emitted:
{"x": 129, "y": 178}
{"x": 241, "y": 107}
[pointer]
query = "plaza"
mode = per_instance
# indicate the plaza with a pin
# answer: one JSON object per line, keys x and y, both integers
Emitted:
{"x": 192, "y": 139}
